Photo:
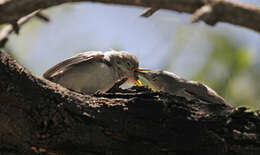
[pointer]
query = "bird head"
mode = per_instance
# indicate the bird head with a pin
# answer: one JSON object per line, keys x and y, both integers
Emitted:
{"x": 126, "y": 65}
{"x": 158, "y": 79}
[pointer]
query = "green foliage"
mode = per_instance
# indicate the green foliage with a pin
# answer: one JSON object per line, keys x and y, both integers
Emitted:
{"x": 2, "y": 25}
{"x": 227, "y": 71}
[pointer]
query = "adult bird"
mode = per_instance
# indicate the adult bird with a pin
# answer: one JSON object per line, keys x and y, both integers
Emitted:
{"x": 94, "y": 71}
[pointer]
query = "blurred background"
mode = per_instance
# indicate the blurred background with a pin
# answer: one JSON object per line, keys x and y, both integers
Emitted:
{"x": 225, "y": 57}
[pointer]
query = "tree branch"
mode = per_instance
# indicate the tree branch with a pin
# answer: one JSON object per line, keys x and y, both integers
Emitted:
{"x": 7, "y": 30}
{"x": 221, "y": 10}
{"x": 38, "y": 116}
{"x": 149, "y": 12}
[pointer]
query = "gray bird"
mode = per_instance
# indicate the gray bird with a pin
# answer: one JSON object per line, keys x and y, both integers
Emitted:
{"x": 173, "y": 84}
{"x": 94, "y": 71}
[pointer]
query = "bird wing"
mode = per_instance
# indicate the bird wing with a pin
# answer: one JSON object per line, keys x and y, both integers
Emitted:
{"x": 77, "y": 59}
{"x": 204, "y": 92}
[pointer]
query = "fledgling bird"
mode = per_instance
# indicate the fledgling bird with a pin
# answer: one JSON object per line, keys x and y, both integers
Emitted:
{"x": 94, "y": 71}
{"x": 173, "y": 84}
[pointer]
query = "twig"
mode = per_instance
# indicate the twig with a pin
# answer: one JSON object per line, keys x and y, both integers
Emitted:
{"x": 215, "y": 11}
{"x": 117, "y": 85}
{"x": 149, "y": 12}
{"x": 204, "y": 13}
{"x": 7, "y": 30}
{"x": 43, "y": 17}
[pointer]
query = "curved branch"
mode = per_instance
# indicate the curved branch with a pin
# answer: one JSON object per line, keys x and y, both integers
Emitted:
{"x": 38, "y": 116}
{"x": 223, "y": 10}
{"x": 7, "y": 30}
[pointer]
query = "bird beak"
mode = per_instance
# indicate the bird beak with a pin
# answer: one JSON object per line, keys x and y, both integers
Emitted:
{"x": 139, "y": 83}
{"x": 141, "y": 70}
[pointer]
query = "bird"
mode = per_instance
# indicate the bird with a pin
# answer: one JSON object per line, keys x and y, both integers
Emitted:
{"x": 95, "y": 71}
{"x": 173, "y": 84}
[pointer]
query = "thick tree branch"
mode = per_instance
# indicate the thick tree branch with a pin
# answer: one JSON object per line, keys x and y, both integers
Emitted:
{"x": 221, "y": 10}
{"x": 37, "y": 115}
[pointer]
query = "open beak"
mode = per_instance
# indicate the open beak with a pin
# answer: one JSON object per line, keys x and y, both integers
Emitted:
{"x": 139, "y": 83}
{"x": 140, "y": 70}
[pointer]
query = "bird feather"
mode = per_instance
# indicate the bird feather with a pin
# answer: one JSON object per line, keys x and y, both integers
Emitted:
{"x": 65, "y": 65}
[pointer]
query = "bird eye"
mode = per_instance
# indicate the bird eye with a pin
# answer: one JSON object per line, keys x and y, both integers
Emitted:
{"x": 154, "y": 78}
{"x": 128, "y": 64}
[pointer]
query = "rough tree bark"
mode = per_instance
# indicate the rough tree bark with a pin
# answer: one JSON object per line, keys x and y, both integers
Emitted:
{"x": 38, "y": 116}
{"x": 41, "y": 117}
